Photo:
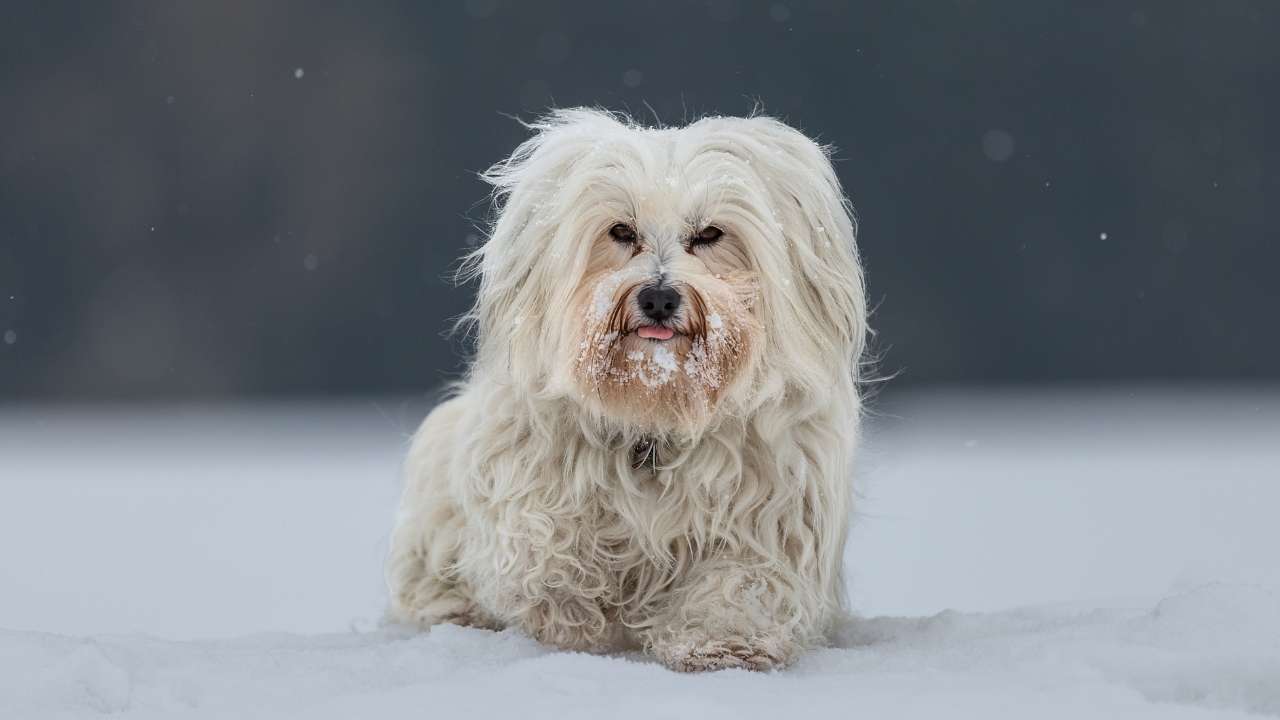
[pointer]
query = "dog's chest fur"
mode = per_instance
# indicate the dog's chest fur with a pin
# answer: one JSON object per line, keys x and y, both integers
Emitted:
{"x": 660, "y": 507}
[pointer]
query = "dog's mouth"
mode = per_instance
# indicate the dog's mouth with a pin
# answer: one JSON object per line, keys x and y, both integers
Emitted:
{"x": 655, "y": 332}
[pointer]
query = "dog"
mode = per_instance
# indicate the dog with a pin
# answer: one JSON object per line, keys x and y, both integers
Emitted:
{"x": 652, "y": 445}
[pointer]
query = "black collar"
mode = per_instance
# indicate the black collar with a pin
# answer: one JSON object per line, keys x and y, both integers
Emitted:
{"x": 644, "y": 452}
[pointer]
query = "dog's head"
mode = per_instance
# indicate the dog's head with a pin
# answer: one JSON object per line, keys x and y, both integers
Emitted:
{"x": 662, "y": 277}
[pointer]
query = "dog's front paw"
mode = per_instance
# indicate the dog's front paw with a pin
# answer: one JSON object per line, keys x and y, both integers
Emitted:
{"x": 470, "y": 615}
{"x": 723, "y": 655}
{"x": 569, "y": 623}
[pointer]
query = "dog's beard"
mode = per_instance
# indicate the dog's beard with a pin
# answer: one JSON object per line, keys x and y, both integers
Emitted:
{"x": 670, "y": 384}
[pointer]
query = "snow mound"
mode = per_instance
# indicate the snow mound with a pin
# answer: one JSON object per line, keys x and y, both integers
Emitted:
{"x": 1210, "y": 652}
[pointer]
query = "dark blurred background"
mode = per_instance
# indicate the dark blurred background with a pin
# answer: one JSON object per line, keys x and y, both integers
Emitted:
{"x": 203, "y": 199}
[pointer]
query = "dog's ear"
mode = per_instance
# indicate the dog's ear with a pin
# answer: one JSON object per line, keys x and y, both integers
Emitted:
{"x": 819, "y": 298}
{"x": 524, "y": 265}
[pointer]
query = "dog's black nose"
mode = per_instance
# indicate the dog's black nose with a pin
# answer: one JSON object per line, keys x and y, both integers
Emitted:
{"x": 659, "y": 302}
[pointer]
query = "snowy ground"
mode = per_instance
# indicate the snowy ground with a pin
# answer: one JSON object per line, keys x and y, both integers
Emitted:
{"x": 1071, "y": 554}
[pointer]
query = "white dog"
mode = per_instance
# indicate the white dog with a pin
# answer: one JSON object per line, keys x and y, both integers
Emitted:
{"x": 653, "y": 443}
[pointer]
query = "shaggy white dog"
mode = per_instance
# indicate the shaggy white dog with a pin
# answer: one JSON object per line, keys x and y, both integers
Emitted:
{"x": 653, "y": 442}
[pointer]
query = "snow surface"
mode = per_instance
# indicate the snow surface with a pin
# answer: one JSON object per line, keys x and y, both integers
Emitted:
{"x": 1073, "y": 554}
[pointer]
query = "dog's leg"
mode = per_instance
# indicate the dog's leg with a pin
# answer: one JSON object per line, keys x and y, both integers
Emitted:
{"x": 425, "y": 590}
{"x": 734, "y": 613}
{"x": 549, "y": 586}
{"x": 421, "y": 570}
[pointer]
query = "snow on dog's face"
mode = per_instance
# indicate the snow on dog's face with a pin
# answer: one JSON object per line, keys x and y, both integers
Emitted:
{"x": 658, "y": 276}
{"x": 664, "y": 315}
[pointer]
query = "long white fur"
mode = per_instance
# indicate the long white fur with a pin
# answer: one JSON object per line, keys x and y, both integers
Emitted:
{"x": 521, "y": 506}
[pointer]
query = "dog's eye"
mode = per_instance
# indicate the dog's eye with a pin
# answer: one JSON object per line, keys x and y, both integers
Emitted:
{"x": 623, "y": 233}
{"x": 706, "y": 236}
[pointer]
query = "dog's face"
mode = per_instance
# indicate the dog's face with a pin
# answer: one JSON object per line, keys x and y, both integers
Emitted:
{"x": 663, "y": 319}
{"x": 658, "y": 276}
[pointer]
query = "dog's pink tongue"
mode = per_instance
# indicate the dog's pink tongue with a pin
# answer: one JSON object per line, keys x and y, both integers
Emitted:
{"x": 655, "y": 332}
